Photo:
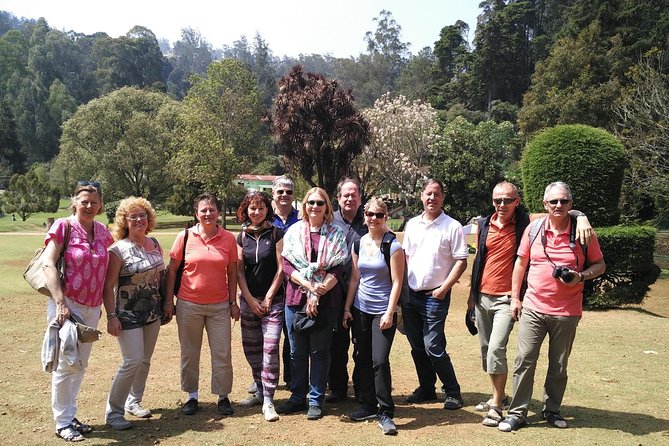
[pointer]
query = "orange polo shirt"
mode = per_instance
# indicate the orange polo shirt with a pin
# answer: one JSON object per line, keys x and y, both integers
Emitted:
{"x": 500, "y": 249}
{"x": 205, "y": 278}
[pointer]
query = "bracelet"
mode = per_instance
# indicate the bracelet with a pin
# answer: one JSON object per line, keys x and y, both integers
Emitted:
{"x": 111, "y": 315}
{"x": 582, "y": 277}
{"x": 233, "y": 302}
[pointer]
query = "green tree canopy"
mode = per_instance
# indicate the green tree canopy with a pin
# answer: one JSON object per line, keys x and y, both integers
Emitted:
{"x": 30, "y": 193}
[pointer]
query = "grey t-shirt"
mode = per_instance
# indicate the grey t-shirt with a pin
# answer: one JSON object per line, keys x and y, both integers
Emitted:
{"x": 375, "y": 285}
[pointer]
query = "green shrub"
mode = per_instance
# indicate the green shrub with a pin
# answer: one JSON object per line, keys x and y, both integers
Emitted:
{"x": 590, "y": 160}
{"x": 628, "y": 253}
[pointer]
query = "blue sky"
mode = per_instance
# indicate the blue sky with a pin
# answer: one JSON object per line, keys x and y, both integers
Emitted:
{"x": 290, "y": 27}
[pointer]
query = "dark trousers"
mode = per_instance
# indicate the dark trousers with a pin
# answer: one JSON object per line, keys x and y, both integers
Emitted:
{"x": 424, "y": 319}
{"x": 341, "y": 341}
{"x": 372, "y": 359}
{"x": 285, "y": 354}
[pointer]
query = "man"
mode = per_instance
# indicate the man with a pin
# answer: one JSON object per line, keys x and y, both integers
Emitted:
{"x": 436, "y": 254}
{"x": 498, "y": 237}
{"x": 350, "y": 219}
{"x": 552, "y": 304}
{"x": 282, "y": 193}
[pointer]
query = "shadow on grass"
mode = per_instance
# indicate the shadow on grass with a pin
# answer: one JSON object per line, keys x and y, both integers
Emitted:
{"x": 636, "y": 309}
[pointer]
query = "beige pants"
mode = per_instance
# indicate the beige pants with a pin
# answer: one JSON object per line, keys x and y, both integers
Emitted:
{"x": 192, "y": 320}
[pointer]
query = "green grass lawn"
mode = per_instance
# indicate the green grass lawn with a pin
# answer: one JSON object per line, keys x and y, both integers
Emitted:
{"x": 617, "y": 391}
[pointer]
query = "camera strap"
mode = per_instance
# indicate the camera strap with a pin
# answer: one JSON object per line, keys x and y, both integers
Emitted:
{"x": 572, "y": 242}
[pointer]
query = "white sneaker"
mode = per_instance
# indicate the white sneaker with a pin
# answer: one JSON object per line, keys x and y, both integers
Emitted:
{"x": 137, "y": 410}
{"x": 253, "y": 400}
{"x": 269, "y": 412}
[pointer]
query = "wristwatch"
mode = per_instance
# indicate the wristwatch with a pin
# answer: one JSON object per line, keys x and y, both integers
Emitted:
{"x": 581, "y": 277}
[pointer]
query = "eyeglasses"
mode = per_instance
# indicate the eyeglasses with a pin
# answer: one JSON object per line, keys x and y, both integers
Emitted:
{"x": 284, "y": 191}
{"x": 318, "y": 203}
{"x": 562, "y": 201}
{"x": 95, "y": 184}
{"x": 506, "y": 201}
{"x": 137, "y": 217}
{"x": 378, "y": 215}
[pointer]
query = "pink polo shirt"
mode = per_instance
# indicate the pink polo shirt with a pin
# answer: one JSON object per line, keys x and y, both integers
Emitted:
{"x": 85, "y": 262}
{"x": 205, "y": 277}
{"x": 544, "y": 293}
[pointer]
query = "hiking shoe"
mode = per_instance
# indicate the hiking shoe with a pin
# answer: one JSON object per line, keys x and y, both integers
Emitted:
{"x": 363, "y": 414}
{"x": 253, "y": 400}
{"x": 314, "y": 413}
{"x": 119, "y": 424}
{"x": 453, "y": 402}
{"x": 335, "y": 397}
{"x": 485, "y": 406}
{"x": 253, "y": 388}
{"x": 190, "y": 407}
{"x": 419, "y": 396}
{"x": 224, "y": 406}
{"x": 512, "y": 423}
{"x": 291, "y": 407}
{"x": 387, "y": 425}
{"x": 555, "y": 419}
{"x": 269, "y": 412}
{"x": 136, "y": 409}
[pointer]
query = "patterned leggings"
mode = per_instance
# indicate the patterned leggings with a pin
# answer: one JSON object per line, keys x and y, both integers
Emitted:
{"x": 260, "y": 339}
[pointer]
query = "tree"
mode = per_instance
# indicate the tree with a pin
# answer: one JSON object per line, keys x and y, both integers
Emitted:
{"x": 125, "y": 139}
{"x": 642, "y": 115}
{"x": 11, "y": 158}
{"x": 415, "y": 81}
{"x": 316, "y": 127}
{"x": 220, "y": 132}
{"x": 470, "y": 160}
{"x": 30, "y": 193}
{"x": 403, "y": 134}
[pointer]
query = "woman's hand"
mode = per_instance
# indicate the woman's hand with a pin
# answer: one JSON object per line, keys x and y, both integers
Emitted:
{"x": 312, "y": 307}
{"x": 114, "y": 326}
{"x": 346, "y": 320}
{"x": 62, "y": 312}
{"x": 256, "y": 307}
{"x": 386, "y": 321}
{"x": 267, "y": 304}
{"x": 319, "y": 289}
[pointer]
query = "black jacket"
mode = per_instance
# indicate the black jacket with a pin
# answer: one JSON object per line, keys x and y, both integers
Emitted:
{"x": 522, "y": 220}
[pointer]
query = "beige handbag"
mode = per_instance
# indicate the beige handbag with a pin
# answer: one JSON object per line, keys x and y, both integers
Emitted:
{"x": 34, "y": 273}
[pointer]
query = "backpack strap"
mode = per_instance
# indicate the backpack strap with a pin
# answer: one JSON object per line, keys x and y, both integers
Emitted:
{"x": 356, "y": 247}
{"x": 387, "y": 240}
{"x": 535, "y": 228}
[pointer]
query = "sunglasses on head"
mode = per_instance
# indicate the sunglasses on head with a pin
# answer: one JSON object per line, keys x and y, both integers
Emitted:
{"x": 318, "y": 203}
{"x": 284, "y": 191}
{"x": 562, "y": 201}
{"x": 506, "y": 201}
{"x": 378, "y": 215}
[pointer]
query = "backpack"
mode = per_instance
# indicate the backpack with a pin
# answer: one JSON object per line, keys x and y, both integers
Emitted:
{"x": 386, "y": 242}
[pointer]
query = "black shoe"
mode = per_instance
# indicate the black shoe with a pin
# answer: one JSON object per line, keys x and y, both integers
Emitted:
{"x": 387, "y": 425}
{"x": 335, "y": 397}
{"x": 224, "y": 407}
{"x": 314, "y": 413}
{"x": 418, "y": 396}
{"x": 190, "y": 407}
{"x": 555, "y": 419}
{"x": 453, "y": 402}
{"x": 290, "y": 407}
{"x": 363, "y": 414}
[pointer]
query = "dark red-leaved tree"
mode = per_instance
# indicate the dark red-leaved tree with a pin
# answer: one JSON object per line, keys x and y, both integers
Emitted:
{"x": 316, "y": 127}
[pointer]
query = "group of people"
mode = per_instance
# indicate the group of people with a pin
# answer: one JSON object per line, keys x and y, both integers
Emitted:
{"x": 322, "y": 277}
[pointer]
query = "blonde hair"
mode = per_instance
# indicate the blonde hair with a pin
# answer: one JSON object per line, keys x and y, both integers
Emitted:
{"x": 378, "y": 203}
{"x": 329, "y": 213}
{"x": 124, "y": 207}
{"x": 90, "y": 189}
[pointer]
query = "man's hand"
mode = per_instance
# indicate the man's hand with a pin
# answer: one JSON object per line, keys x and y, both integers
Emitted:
{"x": 516, "y": 308}
{"x": 575, "y": 278}
{"x": 584, "y": 231}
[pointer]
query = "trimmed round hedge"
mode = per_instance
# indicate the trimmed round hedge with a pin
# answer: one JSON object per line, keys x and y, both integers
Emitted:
{"x": 590, "y": 160}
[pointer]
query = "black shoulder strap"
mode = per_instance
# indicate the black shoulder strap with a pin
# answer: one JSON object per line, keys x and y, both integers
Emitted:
{"x": 388, "y": 238}
{"x": 183, "y": 251}
{"x": 356, "y": 247}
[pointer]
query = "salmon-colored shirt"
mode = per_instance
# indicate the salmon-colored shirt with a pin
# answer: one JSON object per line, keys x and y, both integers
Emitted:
{"x": 544, "y": 293}
{"x": 500, "y": 251}
{"x": 205, "y": 276}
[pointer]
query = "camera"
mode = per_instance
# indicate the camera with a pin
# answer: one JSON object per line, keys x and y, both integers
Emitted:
{"x": 562, "y": 272}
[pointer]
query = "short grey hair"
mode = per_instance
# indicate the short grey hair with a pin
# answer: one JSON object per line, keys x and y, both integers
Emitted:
{"x": 283, "y": 180}
{"x": 558, "y": 185}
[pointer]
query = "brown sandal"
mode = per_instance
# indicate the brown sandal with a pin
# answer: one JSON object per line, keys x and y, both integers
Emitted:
{"x": 493, "y": 417}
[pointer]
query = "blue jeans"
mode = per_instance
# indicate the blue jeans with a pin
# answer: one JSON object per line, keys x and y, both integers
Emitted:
{"x": 315, "y": 346}
{"x": 424, "y": 319}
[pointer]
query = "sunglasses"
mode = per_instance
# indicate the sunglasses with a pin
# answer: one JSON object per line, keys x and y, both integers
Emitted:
{"x": 378, "y": 215}
{"x": 506, "y": 201}
{"x": 562, "y": 201}
{"x": 137, "y": 217}
{"x": 284, "y": 191}
{"x": 95, "y": 184}
{"x": 318, "y": 203}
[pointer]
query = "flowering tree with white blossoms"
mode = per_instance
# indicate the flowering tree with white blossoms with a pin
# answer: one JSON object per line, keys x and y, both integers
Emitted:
{"x": 403, "y": 134}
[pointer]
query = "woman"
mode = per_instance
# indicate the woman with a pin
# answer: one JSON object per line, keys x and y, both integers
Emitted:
{"x": 206, "y": 300}
{"x": 79, "y": 294}
{"x": 133, "y": 305}
{"x": 371, "y": 303}
{"x": 260, "y": 279}
{"x": 314, "y": 252}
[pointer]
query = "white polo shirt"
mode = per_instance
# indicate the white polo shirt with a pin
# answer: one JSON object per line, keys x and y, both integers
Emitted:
{"x": 432, "y": 248}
